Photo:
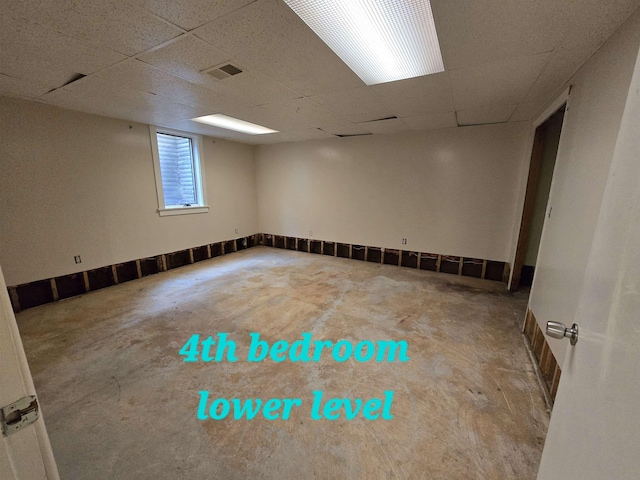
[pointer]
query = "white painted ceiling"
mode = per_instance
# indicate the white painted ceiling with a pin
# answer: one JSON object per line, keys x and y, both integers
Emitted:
{"x": 143, "y": 61}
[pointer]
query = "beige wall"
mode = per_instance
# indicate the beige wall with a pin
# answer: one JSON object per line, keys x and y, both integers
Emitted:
{"x": 591, "y": 124}
{"x": 451, "y": 191}
{"x": 78, "y": 184}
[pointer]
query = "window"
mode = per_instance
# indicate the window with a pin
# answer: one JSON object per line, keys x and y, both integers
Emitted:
{"x": 179, "y": 176}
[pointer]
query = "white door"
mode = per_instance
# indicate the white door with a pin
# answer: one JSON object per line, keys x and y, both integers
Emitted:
{"x": 595, "y": 426}
{"x": 25, "y": 454}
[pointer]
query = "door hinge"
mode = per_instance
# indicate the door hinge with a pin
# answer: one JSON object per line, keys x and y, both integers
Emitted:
{"x": 19, "y": 414}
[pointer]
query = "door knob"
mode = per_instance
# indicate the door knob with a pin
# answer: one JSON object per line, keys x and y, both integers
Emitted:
{"x": 558, "y": 330}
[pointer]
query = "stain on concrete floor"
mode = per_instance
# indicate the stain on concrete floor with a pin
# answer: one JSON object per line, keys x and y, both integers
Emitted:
{"x": 121, "y": 404}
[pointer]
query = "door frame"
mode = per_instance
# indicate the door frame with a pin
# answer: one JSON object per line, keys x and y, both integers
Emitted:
{"x": 535, "y": 162}
{"x": 593, "y": 433}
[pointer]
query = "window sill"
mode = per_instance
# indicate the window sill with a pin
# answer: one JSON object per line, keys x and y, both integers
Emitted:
{"x": 165, "y": 212}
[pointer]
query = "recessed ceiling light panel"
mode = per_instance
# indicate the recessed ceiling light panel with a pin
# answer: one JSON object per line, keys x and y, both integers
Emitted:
{"x": 230, "y": 123}
{"x": 380, "y": 40}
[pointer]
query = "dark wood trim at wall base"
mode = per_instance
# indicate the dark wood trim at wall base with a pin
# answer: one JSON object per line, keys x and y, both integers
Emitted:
{"x": 549, "y": 368}
{"x": 465, "y": 266}
{"x": 51, "y": 290}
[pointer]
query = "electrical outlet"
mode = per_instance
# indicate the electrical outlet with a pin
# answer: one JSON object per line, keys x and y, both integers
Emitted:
{"x": 404, "y": 241}
{"x": 311, "y": 233}
{"x": 77, "y": 259}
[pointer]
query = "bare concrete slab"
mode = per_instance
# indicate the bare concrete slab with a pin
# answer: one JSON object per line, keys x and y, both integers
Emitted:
{"x": 121, "y": 403}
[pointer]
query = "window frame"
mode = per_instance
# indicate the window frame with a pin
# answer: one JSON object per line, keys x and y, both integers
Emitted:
{"x": 198, "y": 171}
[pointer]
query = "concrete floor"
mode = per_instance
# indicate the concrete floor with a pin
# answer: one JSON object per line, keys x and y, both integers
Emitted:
{"x": 121, "y": 404}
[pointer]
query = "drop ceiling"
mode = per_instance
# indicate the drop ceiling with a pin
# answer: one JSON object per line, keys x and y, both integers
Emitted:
{"x": 147, "y": 61}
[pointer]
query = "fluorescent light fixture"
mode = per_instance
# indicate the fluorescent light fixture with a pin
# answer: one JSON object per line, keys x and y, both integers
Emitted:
{"x": 230, "y": 123}
{"x": 380, "y": 40}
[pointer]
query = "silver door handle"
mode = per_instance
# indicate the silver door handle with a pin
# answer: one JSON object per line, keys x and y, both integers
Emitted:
{"x": 558, "y": 330}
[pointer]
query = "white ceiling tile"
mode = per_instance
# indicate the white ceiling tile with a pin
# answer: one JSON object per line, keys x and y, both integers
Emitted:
{"x": 431, "y": 121}
{"x": 18, "y": 87}
{"x": 290, "y": 115}
{"x": 503, "y": 82}
{"x": 95, "y": 98}
{"x": 26, "y": 37}
{"x": 356, "y": 104}
{"x": 120, "y": 26}
{"x": 368, "y": 117}
{"x": 488, "y": 49}
{"x": 192, "y": 13}
{"x": 256, "y": 88}
{"x": 391, "y": 125}
{"x": 186, "y": 57}
{"x": 430, "y": 93}
{"x": 473, "y": 33}
{"x": 267, "y": 118}
{"x": 346, "y": 129}
{"x": 280, "y": 137}
{"x": 140, "y": 76}
{"x": 98, "y": 96}
{"x": 28, "y": 63}
{"x": 23, "y": 56}
{"x": 593, "y": 26}
{"x": 305, "y": 111}
{"x": 266, "y": 36}
{"x": 312, "y": 134}
{"x": 485, "y": 115}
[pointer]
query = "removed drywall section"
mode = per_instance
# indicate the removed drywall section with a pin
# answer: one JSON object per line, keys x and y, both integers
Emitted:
{"x": 303, "y": 245}
{"x": 470, "y": 267}
{"x": 473, "y": 267}
{"x": 70, "y": 285}
{"x": 50, "y": 290}
{"x": 78, "y": 184}
{"x": 548, "y": 366}
{"x": 430, "y": 261}
{"x": 450, "y": 264}
{"x": 452, "y": 191}
{"x": 374, "y": 254}
{"x": 328, "y": 248}
{"x": 589, "y": 133}
{"x": 358, "y": 252}
{"x": 391, "y": 257}
{"x": 410, "y": 259}
{"x": 315, "y": 246}
{"x": 344, "y": 250}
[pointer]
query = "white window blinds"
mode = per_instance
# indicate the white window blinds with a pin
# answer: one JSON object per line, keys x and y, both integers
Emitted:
{"x": 177, "y": 170}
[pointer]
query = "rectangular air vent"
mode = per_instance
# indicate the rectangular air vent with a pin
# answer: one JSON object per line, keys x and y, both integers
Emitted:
{"x": 223, "y": 71}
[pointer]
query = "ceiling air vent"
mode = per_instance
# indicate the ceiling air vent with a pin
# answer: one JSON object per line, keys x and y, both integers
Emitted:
{"x": 223, "y": 71}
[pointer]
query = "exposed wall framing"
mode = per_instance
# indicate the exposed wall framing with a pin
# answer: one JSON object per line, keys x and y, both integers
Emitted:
{"x": 549, "y": 368}
{"x": 50, "y": 290}
{"x": 469, "y": 267}
{"x": 53, "y": 289}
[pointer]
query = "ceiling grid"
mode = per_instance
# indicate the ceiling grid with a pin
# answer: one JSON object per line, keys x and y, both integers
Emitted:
{"x": 146, "y": 61}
